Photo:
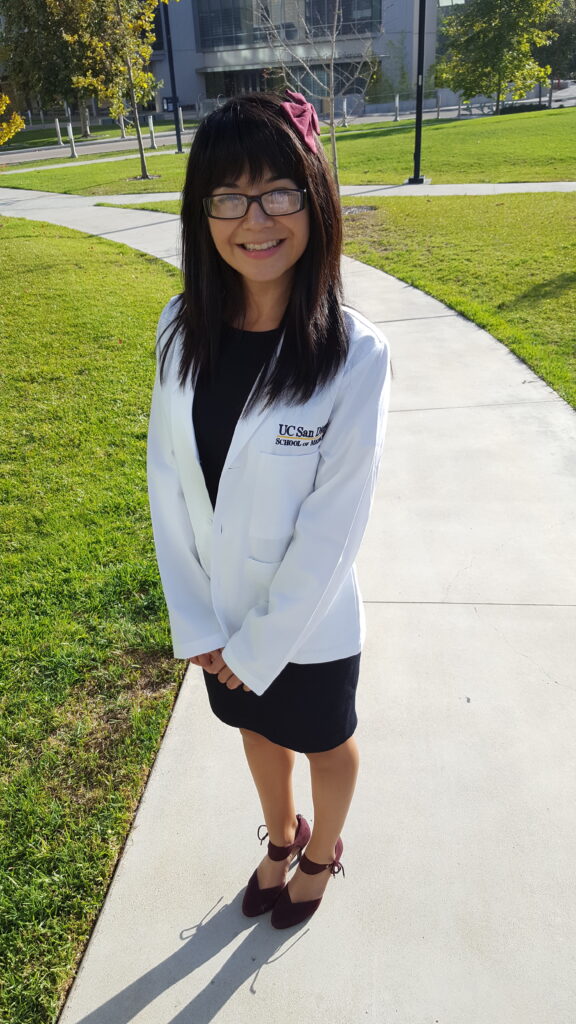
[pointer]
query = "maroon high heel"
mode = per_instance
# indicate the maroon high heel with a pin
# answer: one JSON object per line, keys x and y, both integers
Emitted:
{"x": 258, "y": 901}
{"x": 286, "y": 913}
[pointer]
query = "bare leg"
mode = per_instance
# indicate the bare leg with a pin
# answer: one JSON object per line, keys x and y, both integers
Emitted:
{"x": 271, "y": 766}
{"x": 333, "y": 776}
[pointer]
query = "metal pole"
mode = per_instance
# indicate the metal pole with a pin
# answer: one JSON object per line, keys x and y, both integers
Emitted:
{"x": 417, "y": 179}
{"x": 172, "y": 76}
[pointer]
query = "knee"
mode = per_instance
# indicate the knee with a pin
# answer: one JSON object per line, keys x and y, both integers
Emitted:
{"x": 338, "y": 757}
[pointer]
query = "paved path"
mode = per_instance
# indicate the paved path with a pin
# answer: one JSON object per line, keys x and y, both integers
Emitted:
{"x": 458, "y": 904}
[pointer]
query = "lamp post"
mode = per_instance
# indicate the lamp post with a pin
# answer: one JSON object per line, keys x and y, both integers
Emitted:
{"x": 416, "y": 179}
{"x": 172, "y": 76}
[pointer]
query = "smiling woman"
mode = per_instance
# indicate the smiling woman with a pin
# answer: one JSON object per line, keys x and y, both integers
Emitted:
{"x": 266, "y": 431}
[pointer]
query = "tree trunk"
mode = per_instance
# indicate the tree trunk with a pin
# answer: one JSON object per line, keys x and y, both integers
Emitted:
{"x": 84, "y": 129}
{"x": 331, "y": 99}
{"x": 144, "y": 170}
{"x": 498, "y": 90}
{"x": 332, "y": 124}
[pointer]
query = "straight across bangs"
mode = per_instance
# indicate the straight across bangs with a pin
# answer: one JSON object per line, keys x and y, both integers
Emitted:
{"x": 243, "y": 143}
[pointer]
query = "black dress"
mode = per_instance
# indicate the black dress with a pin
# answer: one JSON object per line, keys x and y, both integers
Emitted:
{"x": 308, "y": 708}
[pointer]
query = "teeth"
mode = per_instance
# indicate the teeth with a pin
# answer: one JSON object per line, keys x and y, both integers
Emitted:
{"x": 264, "y": 245}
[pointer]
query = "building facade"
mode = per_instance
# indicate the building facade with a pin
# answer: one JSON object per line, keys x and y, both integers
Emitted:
{"x": 223, "y": 48}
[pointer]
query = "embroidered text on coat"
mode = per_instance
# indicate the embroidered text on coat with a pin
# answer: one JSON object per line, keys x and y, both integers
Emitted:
{"x": 302, "y": 437}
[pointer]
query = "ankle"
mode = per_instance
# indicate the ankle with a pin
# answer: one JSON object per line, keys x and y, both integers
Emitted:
{"x": 318, "y": 854}
{"x": 286, "y": 836}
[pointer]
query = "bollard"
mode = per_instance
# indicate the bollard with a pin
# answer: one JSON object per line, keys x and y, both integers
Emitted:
{"x": 58, "y": 132}
{"x": 87, "y": 113}
{"x": 122, "y": 126}
{"x": 397, "y": 107}
{"x": 151, "y": 127}
{"x": 29, "y": 112}
{"x": 180, "y": 115}
{"x": 73, "y": 153}
{"x": 437, "y": 106}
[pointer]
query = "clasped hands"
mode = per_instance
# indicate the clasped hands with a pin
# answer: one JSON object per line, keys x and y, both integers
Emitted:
{"x": 214, "y": 663}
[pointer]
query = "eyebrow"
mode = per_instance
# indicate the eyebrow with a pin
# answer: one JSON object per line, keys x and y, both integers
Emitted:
{"x": 265, "y": 181}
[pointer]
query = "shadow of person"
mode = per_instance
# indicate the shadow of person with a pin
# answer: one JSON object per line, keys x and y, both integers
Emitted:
{"x": 262, "y": 945}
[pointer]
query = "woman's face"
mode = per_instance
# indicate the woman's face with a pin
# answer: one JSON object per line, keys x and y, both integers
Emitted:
{"x": 289, "y": 234}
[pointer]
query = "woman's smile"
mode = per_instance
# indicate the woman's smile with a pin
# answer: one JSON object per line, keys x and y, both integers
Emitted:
{"x": 261, "y": 250}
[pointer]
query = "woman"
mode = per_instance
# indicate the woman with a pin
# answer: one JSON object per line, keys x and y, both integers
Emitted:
{"x": 266, "y": 430}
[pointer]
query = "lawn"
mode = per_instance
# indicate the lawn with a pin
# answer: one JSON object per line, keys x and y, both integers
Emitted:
{"x": 507, "y": 262}
{"x": 534, "y": 146}
{"x": 31, "y": 138}
{"x": 88, "y": 680}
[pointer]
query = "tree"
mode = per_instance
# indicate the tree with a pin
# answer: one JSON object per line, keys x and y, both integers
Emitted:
{"x": 489, "y": 48}
{"x": 11, "y": 125}
{"x": 324, "y": 74}
{"x": 35, "y": 56}
{"x": 101, "y": 47}
{"x": 560, "y": 52}
{"x": 110, "y": 43}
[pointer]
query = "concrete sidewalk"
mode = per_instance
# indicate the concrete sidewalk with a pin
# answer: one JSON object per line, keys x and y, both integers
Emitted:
{"x": 458, "y": 904}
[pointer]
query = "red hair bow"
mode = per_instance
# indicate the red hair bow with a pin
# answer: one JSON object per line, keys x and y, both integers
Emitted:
{"x": 303, "y": 116}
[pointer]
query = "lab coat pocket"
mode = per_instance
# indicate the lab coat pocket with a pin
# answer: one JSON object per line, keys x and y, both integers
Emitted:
{"x": 260, "y": 576}
{"x": 282, "y": 483}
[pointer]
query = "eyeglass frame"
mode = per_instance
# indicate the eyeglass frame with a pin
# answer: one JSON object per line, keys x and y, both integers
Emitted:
{"x": 256, "y": 199}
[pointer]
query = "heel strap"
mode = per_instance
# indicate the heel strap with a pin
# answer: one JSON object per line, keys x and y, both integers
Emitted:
{"x": 279, "y": 852}
{"x": 310, "y": 867}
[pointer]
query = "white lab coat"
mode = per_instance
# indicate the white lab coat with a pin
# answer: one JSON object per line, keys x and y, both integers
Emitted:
{"x": 269, "y": 575}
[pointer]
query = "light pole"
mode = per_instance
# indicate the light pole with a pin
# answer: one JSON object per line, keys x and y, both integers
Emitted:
{"x": 416, "y": 179}
{"x": 172, "y": 77}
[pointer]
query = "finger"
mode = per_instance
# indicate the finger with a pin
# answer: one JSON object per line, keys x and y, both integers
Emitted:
{"x": 244, "y": 687}
{"x": 225, "y": 674}
{"x": 216, "y": 665}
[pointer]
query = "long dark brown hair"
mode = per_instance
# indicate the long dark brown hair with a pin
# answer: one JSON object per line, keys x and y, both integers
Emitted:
{"x": 253, "y": 133}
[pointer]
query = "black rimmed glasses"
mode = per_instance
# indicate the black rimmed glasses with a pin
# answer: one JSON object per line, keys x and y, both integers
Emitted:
{"x": 280, "y": 202}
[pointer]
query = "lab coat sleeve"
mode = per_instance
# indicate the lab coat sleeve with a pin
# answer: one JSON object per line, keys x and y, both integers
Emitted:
{"x": 329, "y": 528}
{"x": 194, "y": 626}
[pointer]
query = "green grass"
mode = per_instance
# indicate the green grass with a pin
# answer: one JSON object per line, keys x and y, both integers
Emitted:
{"x": 88, "y": 680}
{"x": 31, "y": 138}
{"x": 507, "y": 262}
{"x": 14, "y": 170}
{"x": 535, "y": 146}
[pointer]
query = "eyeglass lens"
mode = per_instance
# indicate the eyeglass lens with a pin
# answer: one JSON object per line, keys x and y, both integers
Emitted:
{"x": 275, "y": 204}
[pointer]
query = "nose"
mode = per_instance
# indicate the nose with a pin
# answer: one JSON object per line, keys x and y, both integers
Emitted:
{"x": 255, "y": 214}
